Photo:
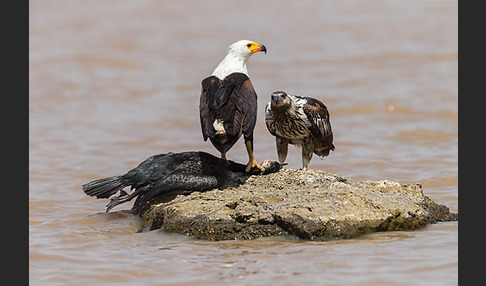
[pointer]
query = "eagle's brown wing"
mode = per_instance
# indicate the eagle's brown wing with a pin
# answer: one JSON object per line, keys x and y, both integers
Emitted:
{"x": 318, "y": 115}
{"x": 234, "y": 102}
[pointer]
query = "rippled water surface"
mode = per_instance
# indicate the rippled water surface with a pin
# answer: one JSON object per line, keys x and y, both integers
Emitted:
{"x": 114, "y": 82}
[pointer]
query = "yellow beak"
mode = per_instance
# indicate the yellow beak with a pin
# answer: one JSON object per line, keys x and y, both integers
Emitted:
{"x": 255, "y": 47}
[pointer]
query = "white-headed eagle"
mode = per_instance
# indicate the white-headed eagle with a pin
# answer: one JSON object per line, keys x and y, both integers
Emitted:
{"x": 228, "y": 102}
{"x": 299, "y": 120}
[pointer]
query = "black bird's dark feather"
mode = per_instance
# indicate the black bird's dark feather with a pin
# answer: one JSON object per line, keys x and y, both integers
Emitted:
{"x": 177, "y": 173}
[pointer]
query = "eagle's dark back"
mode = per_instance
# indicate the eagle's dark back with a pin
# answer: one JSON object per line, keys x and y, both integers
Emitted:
{"x": 233, "y": 102}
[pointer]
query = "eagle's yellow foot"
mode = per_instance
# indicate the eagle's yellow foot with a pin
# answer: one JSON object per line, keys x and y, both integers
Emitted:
{"x": 253, "y": 164}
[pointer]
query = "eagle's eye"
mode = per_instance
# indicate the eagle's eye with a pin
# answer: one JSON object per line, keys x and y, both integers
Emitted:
{"x": 248, "y": 45}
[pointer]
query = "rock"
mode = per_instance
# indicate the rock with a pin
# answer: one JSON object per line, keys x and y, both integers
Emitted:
{"x": 313, "y": 205}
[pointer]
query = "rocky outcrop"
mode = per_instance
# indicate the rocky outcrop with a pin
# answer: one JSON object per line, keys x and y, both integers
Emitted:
{"x": 314, "y": 205}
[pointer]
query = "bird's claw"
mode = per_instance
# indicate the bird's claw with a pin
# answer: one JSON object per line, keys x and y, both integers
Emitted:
{"x": 253, "y": 164}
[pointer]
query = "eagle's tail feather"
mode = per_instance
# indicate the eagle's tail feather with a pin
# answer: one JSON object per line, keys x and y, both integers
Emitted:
{"x": 323, "y": 151}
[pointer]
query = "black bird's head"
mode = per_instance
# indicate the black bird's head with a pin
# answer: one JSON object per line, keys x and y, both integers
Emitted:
{"x": 271, "y": 166}
{"x": 280, "y": 98}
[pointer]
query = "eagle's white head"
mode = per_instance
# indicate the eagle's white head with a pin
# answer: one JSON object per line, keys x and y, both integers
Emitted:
{"x": 236, "y": 58}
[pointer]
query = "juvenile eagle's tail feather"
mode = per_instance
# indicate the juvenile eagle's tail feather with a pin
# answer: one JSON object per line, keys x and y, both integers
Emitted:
{"x": 323, "y": 151}
{"x": 104, "y": 188}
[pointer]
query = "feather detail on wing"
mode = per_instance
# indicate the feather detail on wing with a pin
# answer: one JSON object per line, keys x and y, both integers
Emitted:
{"x": 318, "y": 116}
{"x": 231, "y": 102}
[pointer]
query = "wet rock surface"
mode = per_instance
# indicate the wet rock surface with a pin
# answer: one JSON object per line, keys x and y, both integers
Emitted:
{"x": 314, "y": 205}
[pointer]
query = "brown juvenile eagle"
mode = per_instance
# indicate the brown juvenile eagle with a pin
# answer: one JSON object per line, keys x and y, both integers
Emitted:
{"x": 299, "y": 120}
{"x": 228, "y": 102}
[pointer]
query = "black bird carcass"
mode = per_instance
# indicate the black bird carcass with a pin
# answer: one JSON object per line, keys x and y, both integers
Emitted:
{"x": 172, "y": 173}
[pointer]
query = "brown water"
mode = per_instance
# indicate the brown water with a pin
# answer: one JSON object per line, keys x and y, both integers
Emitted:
{"x": 114, "y": 82}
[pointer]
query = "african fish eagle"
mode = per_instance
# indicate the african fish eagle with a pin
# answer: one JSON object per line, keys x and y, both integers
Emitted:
{"x": 301, "y": 121}
{"x": 228, "y": 102}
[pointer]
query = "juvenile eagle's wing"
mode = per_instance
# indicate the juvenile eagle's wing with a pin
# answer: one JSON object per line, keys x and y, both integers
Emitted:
{"x": 318, "y": 115}
{"x": 269, "y": 119}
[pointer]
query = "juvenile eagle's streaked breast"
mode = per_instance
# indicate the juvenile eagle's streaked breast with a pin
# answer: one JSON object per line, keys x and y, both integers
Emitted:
{"x": 292, "y": 124}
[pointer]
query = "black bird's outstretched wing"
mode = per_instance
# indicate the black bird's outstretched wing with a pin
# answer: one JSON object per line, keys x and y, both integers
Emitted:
{"x": 171, "y": 173}
{"x": 137, "y": 177}
{"x": 233, "y": 102}
{"x": 165, "y": 173}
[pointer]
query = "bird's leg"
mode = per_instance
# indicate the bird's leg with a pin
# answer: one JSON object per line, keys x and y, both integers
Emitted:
{"x": 252, "y": 162}
{"x": 282, "y": 148}
{"x": 307, "y": 151}
{"x": 223, "y": 156}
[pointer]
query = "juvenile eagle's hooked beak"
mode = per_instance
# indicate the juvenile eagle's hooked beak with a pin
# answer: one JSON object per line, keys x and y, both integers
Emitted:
{"x": 278, "y": 97}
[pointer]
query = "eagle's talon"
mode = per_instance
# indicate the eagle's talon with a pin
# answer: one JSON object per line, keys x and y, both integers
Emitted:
{"x": 252, "y": 165}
